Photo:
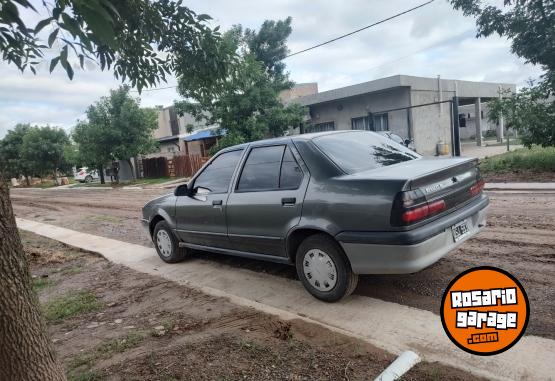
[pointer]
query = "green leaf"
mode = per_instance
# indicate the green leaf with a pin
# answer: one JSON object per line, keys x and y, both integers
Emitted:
{"x": 52, "y": 37}
{"x": 41, "y": 24}
{"x": 53, "y": 63}
{"x": 71, "y": 25}
{"x": 203, "y": 17}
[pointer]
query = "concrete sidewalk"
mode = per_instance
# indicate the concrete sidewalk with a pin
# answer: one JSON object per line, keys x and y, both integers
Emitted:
{"x": 390, "y": 326}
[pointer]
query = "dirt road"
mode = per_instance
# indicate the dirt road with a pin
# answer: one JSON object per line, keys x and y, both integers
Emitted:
{"x": 519, "y": 239}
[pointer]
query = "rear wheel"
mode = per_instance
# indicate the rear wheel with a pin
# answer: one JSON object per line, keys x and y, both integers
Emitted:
{"x": 88, "y": 179}
{"x": 324, "y": 269}
{"x": 167, "y": 245}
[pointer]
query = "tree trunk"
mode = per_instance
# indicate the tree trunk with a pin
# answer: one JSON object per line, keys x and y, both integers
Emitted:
{"x": 101, "y": 173}
{"x": 27, "y": 352}
{"x": 27, "y": 181}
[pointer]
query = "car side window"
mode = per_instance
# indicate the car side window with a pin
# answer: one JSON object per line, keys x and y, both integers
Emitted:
{"x": 291, "y": 174}
{"x": 261, "y": 170}
{"x": 217, "y": 176}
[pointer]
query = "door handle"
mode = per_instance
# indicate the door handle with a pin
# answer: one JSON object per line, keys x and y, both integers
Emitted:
{"x": 288, "y": 201}
{"x": 217, "y": 203}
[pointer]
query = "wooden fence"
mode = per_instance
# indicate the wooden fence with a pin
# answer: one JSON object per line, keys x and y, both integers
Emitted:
{"x": 178, "y": 166}
{"x": 155, "y": 167}
{"x": 188, "y": 165}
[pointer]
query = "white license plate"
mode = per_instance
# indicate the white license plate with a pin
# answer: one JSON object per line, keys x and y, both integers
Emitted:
{"x": 460, "y": 230}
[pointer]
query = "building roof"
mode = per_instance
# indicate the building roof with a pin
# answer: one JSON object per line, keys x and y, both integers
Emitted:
{"x": 465, "y": 89}
{"x": 202, "y": 135}
{"x": 168, "y": 138}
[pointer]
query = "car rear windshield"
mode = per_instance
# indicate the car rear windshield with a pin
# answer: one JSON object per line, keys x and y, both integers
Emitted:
{"x": 362, "y": 150}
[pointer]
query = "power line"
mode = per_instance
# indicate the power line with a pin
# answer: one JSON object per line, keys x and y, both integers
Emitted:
{"x": 334, "y": 39}
{"x": 360, "y": 29}
{"x": 157, "y": 88}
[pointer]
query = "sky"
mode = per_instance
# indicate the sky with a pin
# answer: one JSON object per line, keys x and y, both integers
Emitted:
{"x": 433, "y": 40}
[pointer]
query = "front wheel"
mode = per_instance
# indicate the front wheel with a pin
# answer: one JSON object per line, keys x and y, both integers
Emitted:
{"x": 88, "y": 179}
{"x": 166, "y": 244}
{"x": 324, "y": 269}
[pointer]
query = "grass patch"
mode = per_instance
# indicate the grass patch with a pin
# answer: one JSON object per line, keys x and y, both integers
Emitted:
{"x": 70, "y": 305}
{"x": 41, "y": 283}
{"x": 120, "y": 345}
{"x": 536, "y": 159}
{"x": 103, "y": 351}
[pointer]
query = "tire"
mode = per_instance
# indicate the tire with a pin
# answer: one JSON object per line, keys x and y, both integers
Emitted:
{"x": 88, "y": 179}
{"x": 166, "y": 244}
{"x": 321, "y": 252}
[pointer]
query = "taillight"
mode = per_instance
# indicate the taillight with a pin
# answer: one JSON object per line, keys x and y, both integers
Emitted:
{"x": 422, "y": 212}
{"x": 411, "y": 206}
{"x": 477, "y": 188}
{"x": 81, "y": 173}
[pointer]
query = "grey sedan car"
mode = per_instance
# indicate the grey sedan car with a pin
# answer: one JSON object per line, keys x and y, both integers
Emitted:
{"x": 333, "y": 204}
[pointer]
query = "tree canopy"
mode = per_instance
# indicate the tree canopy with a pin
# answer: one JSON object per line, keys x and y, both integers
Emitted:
{"x": 529, "y": 113}
{"x": 117, "y": 128}
{"x": 530, "y": 26}
{"x": 141, "y": 40}
{"x": 43, "y": 150}
{"x": 35, "y": 151}
{"x": 246, "y": 105}
{"x": 10, "y": 152}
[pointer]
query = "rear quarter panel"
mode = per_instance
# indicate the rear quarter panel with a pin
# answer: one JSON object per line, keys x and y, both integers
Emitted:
{"x": 337, "y": 205}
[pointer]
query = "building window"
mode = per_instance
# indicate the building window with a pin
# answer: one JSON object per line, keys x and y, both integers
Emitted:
{"x": 360, "y": 123}
{"x": 381, "y": 122}
{"x": 321, "y": 127}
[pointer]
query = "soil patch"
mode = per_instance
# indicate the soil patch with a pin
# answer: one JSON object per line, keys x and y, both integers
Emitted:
{"x": 146, "y": 328}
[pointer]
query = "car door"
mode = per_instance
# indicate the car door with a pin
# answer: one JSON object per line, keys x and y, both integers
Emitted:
{"x": 201, "y": 216}
{"x": 267, "y": 199}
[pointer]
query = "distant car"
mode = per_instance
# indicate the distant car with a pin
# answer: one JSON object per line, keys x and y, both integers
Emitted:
{"x": 334, "y": 204}
{"x": 397, "y": 139}
{"x": 85, "y": 176}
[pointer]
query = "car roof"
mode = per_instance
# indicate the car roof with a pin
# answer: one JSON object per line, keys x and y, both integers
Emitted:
{"x": 286, "y": 139}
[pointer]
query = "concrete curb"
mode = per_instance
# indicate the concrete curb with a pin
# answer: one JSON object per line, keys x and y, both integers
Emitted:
{"x": 390, "y": 326}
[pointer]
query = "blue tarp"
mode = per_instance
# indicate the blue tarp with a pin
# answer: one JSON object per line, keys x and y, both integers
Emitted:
{"x": 201, "y": 135}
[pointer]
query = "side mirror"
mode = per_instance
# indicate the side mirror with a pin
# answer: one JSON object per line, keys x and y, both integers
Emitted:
{"x": 183, "y": 190}
{"x": 407, "y": 142}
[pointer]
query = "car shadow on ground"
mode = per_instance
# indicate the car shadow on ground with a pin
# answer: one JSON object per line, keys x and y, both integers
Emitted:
{"x": 408, "y": 289}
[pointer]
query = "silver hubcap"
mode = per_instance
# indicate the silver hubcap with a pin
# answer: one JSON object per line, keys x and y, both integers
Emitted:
{"x": 319, "y": 270}
{"x": 164, "y": 243}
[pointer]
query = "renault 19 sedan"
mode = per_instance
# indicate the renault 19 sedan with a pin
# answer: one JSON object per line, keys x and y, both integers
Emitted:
{"x": 333, "y": 204}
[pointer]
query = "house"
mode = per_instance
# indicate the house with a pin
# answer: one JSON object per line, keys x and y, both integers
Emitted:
{"x": 182, "y": 134}
{"x": 416, "y": 108}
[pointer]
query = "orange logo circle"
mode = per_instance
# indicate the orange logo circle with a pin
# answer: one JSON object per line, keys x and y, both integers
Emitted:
{"x": 485, "y": 311}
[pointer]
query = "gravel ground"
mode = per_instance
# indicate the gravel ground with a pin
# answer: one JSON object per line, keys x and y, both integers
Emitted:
{"x": 519, "y": 238}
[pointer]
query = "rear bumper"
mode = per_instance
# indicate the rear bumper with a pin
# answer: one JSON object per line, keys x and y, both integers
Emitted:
{"x": 423, "y": 249}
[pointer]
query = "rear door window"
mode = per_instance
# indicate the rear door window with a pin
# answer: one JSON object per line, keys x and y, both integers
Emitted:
{"x": 262, "y": 169}
{"x": 291, "y": 174}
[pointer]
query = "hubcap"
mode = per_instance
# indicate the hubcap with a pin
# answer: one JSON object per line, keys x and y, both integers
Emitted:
{"x": 164, "y": 243}
{"x": 319, "y": 270}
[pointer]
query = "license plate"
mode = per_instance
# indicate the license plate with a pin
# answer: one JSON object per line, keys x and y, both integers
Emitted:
{"x": 460, "y": 230}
